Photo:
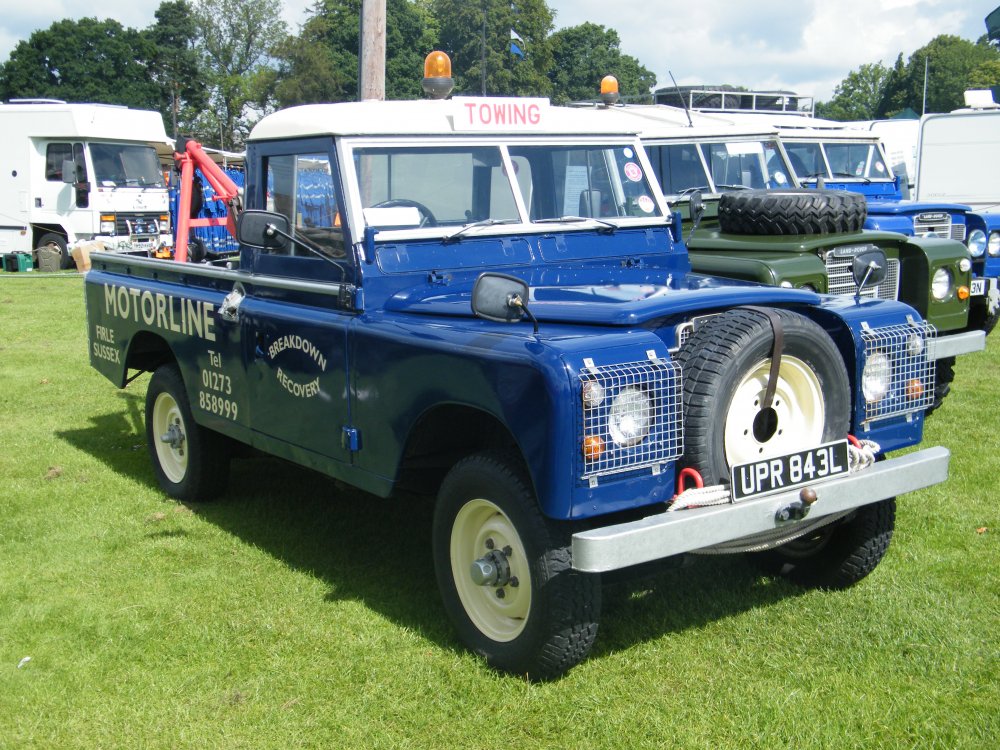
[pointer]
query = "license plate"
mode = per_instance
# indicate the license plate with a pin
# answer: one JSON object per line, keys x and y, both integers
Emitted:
{"x": 787, "y": 472}
{"x": 978, "y": 288}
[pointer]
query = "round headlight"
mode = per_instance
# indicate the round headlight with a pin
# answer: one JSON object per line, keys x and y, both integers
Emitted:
{"x": 631, "y": 416}
{"x": 994, "y": 245}
{"x": 977, "y": 243}
{"x": 941, "y": 284}
{"x": 965, "y": 265}
{"x": 875, "y": 378}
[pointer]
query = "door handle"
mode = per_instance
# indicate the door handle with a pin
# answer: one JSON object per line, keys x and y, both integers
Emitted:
{"x": 229, "y": 310}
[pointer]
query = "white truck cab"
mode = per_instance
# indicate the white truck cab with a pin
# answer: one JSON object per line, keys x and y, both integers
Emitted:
{"x": 81, "y": 172}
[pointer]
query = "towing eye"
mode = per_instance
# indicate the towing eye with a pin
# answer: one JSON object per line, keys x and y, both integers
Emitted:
{"x": 776, "y": 349}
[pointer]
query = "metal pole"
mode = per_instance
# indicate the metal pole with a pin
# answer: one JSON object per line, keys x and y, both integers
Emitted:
{"x": 371, "y": 60}
{"x": 923, "y": 109}
{"x": 483, "y": 65}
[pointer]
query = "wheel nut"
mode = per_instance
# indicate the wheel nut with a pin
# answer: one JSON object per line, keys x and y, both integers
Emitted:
{"x": 514, "y": 582}
{"x": 508, "y": 551}
{"x": 501, "y": 593}
{"x": 489, "y": 544}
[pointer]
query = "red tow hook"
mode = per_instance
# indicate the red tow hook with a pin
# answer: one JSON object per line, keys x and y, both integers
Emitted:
{"x": 686, "y": 473}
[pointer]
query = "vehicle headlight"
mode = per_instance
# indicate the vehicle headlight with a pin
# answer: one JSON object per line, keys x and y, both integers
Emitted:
{"x": 941, "y": 284}
{"x": 977, "y": 243}
{"x": 107, "y": 224}
{"x": 631, "y": 416}
{"x": 965, "y": 265}
{"x": 994, "y": 245}
{"x": 593, "y": 394}
{"x": 875, "y": 377}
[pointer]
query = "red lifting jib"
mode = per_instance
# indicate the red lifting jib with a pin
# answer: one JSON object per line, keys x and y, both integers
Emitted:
{"x": 189, "y": 156}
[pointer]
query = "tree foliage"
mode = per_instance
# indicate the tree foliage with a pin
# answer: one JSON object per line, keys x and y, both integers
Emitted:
{"x": 466, "y": 24}
{"x": 320, "y": 64}
{"x": 584, "y": 54}
{"x": 236, "y": 40}
{"x": 859, "y": 95}
{"x": 83, "y": 61}
{"x": 175, "y": 65}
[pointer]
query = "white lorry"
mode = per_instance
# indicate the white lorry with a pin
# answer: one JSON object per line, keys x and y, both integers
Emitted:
{"x": 75, "y": 172}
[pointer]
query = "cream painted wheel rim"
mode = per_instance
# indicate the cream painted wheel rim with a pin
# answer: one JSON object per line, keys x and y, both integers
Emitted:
{"x": 172, "y": 454}
{"x": 500, "y": 619}
{"x": 799, "y": 413}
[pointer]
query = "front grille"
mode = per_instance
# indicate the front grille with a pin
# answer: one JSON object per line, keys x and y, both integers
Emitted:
{"x": 939, "y": 227}
{"x": 841, "y": 278}
{"x": 128, "y": 224}
{"x": 911, "y": 381}
{"x": 660, "y": 382}
{"x": 958, "y": 232}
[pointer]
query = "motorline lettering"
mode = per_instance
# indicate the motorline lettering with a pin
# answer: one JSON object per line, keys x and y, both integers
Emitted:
{"x": 182, "y": 315}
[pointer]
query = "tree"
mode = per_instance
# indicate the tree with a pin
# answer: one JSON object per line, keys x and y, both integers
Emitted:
{"x": 858, "y": 96}
{"x": 321, "y": 63}
{"x": 951, "y": 62}
{"x": 466, "y": 24}
{"x": 584, "y": 54}
{"x": 236, "y": 39}
{"x": 175, "y": 65}
{"x": 83, "y": 61}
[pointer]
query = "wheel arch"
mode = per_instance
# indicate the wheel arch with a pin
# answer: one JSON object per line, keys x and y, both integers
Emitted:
{"x": 444, "y": 434}
{"x": 146, "y": 352}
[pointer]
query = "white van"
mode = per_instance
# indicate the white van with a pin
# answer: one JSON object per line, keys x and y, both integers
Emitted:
{"x": 72, "y": 172}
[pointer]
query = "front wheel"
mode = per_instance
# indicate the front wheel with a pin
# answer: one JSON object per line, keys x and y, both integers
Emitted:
{"x": 57, "y": 241}
{"x": 190, "y": 461}
{"x": 505, "y": 575}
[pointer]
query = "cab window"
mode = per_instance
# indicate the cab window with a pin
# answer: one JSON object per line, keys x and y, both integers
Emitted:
{"x": 301, "y": 187}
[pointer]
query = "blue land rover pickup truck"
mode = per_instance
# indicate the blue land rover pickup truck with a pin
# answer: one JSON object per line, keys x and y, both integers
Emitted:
{"x": 490, "y": 298}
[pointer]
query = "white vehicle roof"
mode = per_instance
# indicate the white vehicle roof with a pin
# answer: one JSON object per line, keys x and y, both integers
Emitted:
{"x": 663, "y": 122}
{"x": 106, "y": 122}
{"x": 430, "y": 118}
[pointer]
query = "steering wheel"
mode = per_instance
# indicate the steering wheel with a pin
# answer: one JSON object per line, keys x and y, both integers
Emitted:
{"x": 427, "y": 217}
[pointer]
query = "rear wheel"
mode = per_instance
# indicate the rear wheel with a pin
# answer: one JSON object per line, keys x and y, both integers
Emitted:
{"x": 838, "y": 555}
{"x": 504, "y": 572}
{"x": 190, "y": 461}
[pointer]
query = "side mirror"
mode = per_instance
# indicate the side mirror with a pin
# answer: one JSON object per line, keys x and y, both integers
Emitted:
{"x": 69, "y": 172}
{"x": 501, "y": 298}
{"x": 263, "y": 230}
{"x": 869, "y": 269}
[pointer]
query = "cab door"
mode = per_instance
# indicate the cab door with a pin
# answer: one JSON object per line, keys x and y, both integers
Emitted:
{"x": 296, "y": 313}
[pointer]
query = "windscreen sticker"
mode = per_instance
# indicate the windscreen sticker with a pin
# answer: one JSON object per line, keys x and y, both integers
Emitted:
{"x": 646, "y": 204}
{"x": 633, "y": 171}
{"x": 879, "y": 167}
{"x": 780, "y": 178}
{"x": 628, "y": 152}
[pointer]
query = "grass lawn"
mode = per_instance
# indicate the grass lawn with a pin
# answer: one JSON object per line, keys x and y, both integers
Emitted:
{"x": 297, "y": 613}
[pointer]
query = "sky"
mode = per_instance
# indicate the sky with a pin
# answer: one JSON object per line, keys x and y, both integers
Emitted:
{"x": 805, "y": 46}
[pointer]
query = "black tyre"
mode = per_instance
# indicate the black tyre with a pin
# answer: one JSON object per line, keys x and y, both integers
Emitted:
{"x": 838, "y": 555}
{"x": 943, "y": 377}
{"x": 57, "y": 241}
{"x": 726, "y": 369}
{"x": 538, "y": 617}
{"x": 190, "y": 461}
{"x": 792, "y": 211}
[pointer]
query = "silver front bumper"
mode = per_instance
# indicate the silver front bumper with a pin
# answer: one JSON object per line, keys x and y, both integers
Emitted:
{"x": 666, "y": 534}
{"x": 955, "y": 344}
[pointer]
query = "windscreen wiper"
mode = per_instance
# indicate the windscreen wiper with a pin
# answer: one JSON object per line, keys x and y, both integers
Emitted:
{"x": 457, "y": 234}
{"x": 606, "y": 226}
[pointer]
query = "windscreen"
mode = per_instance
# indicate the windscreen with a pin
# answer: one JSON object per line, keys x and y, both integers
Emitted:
{"x": 125, "y": 165}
